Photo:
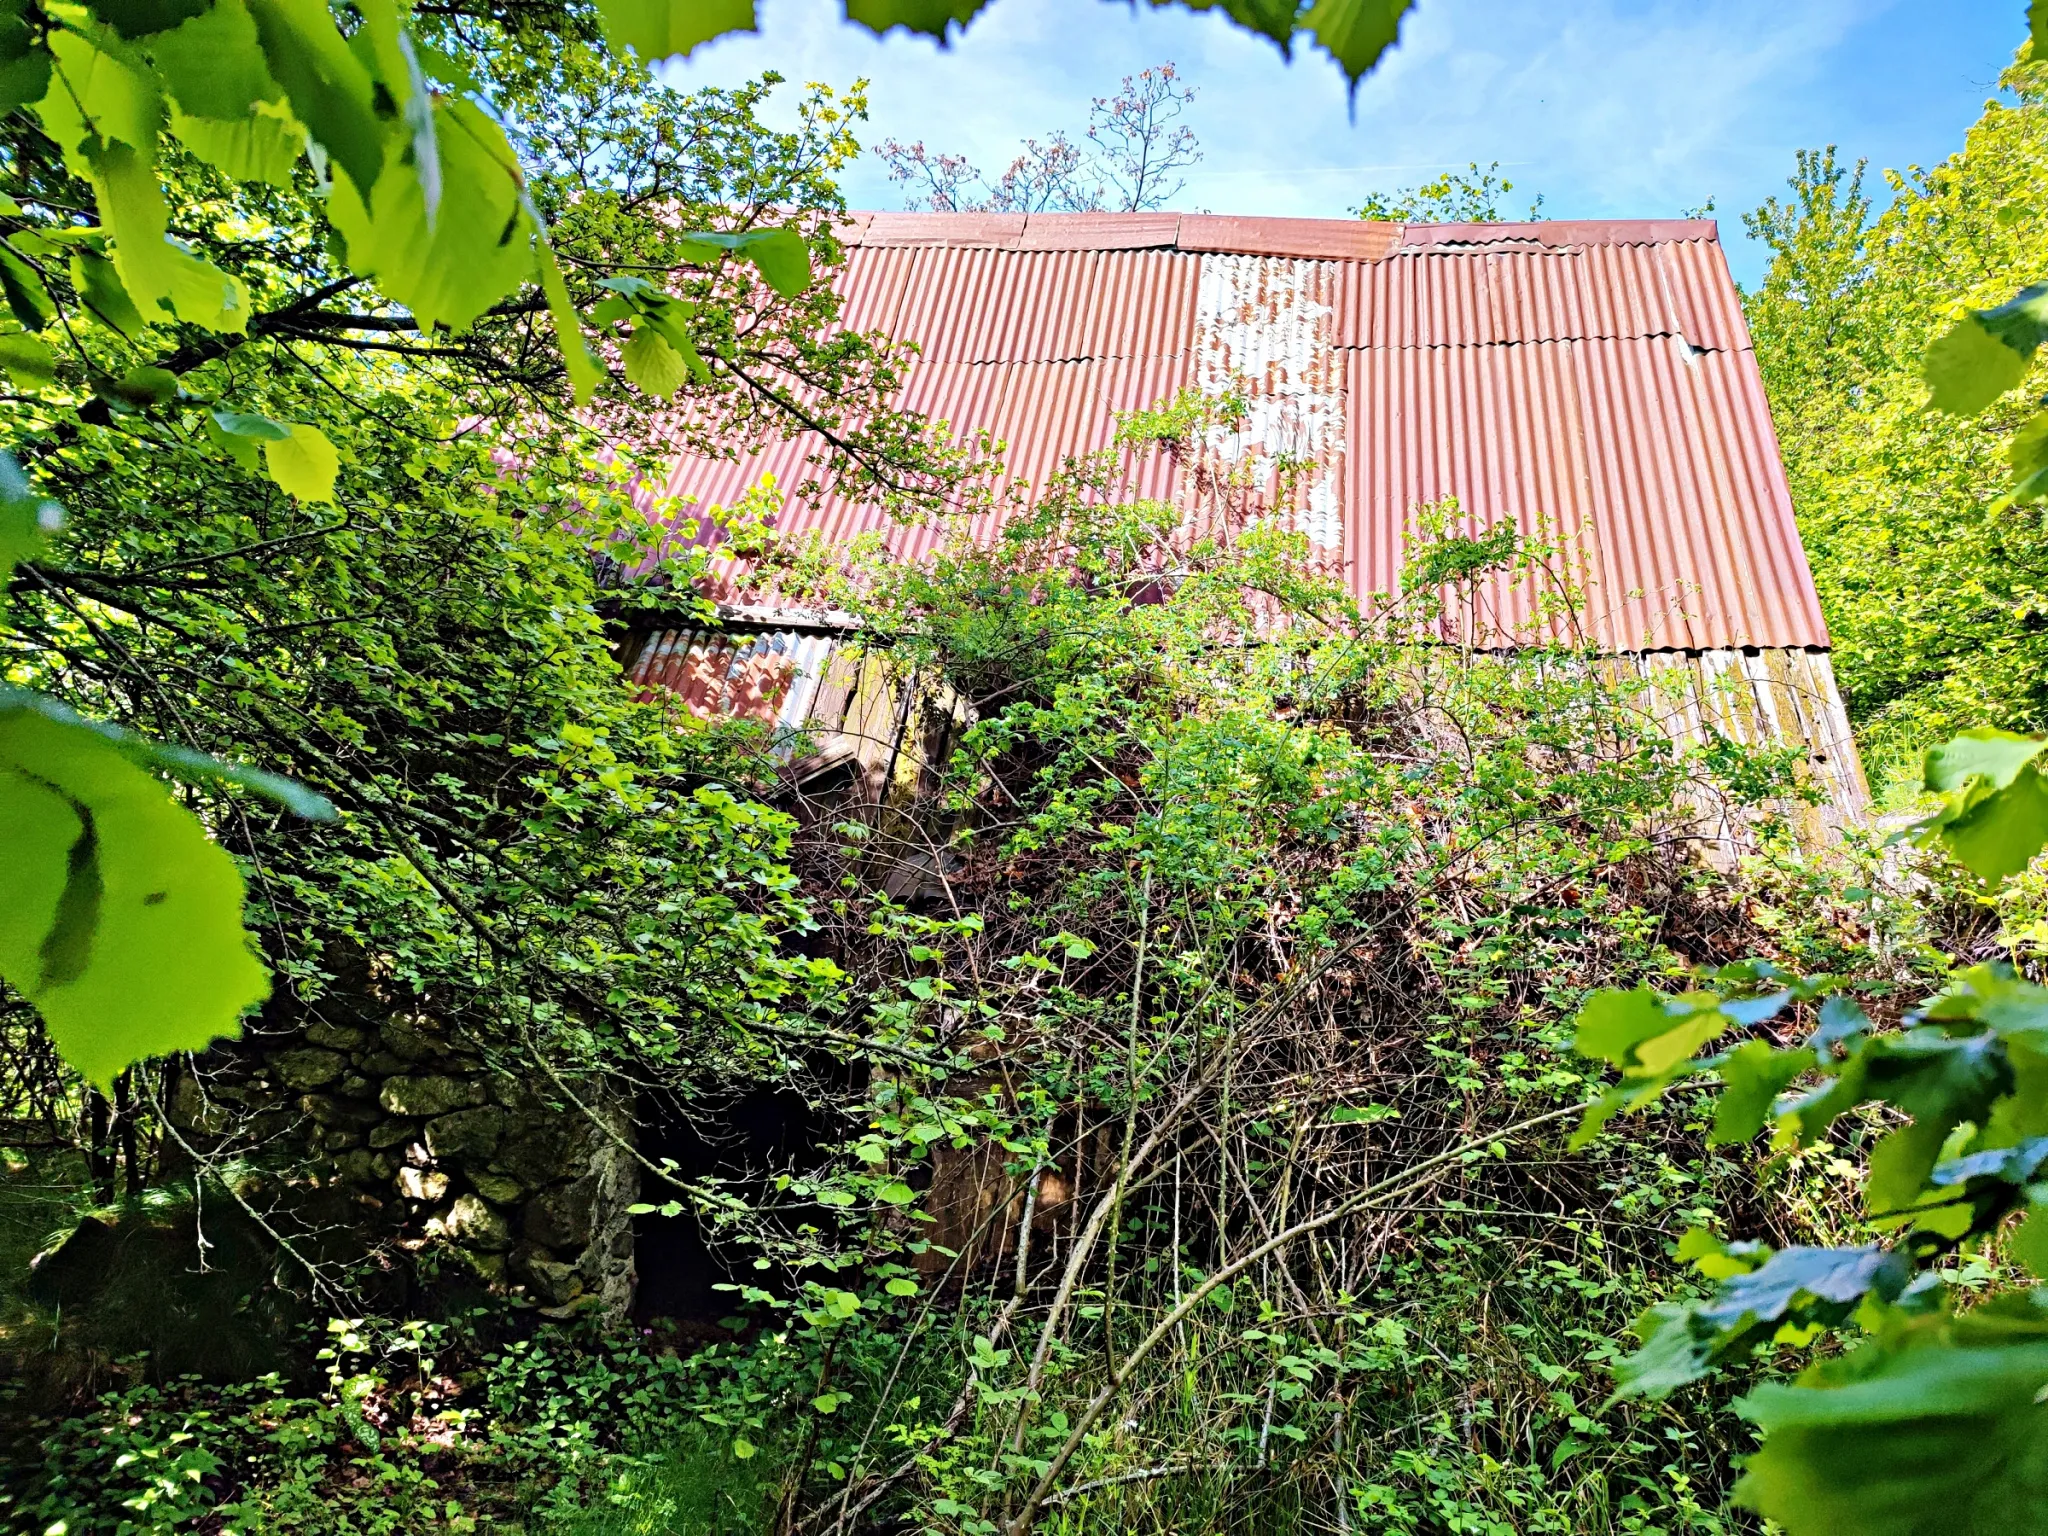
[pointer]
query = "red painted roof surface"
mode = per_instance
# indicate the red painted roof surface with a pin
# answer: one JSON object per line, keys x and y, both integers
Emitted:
{"x": 1593, "y": 380}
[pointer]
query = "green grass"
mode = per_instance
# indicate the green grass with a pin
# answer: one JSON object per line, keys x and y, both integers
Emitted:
{"x": 696, "y": 1489}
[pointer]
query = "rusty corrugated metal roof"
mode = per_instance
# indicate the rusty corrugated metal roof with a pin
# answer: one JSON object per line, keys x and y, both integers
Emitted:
{"x": 1590, "y": 379}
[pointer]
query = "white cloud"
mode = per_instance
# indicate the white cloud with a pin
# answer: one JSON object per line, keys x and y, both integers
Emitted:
{"x": 1622, "y": 108}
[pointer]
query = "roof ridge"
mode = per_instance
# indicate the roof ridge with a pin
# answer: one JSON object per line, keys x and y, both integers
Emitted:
{"x": 1249, "y": 235}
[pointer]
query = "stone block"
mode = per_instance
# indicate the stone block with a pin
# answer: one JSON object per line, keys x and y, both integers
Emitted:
{"x": 498, "y": 1187}
{"x": 404, "y": 1040}
{"x": 340, "y": 1139}
{"x": 308, "y": 1067}
{"x": 322, "y": 1110}
{"x": 361, "y": 1167}
{"x": 356, "y": 1086}
{"x": 430, "y": 1095}
{"x": 513, "y": 1093}
{"x": 382, "y": 1063}
{"x": 535, "y": 1152}
{"x": 473, "y": 1224}
{"x": 336, "y": 1037}
{"x": 422, "y": 1183}
{"x": 552, "y": 1282}
{"x": 391, "y": 1133}
{"x": 559, "y": 1218}
{"x": 469, "y": 1135}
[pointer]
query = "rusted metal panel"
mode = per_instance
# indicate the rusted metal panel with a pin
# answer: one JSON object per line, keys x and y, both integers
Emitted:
{"x": 1651, "y": 467}
{"x": 1329, "y": 239}
{"x": 1265, "y": 332}
{"x": 1589, "y": 379}
{"x": 1099, "y": 231}
{"x": 1468, "y": 296}
{"x": 771, "y": 678}
{"x": 1559, "y": 232}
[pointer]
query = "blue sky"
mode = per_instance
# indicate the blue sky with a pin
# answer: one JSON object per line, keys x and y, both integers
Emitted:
{"x": 1609, "y": 108}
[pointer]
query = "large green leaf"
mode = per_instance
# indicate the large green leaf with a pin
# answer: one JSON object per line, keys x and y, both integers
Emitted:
{"x": 26, "y": 520}
{"x": 1986, "y": 353}
{"x": 1753, "y": 1075}
{"x": 1994, "y": 804}
{"x": 779, "y": 254}
{"x": 585, "y": 371}
{"x": 1683, "y": 1341}
{"x": 480, "y": 246}
{"x": 27, "y": 360}
{"x": 139, "y": 18}
{"x": 652, "y": 364}
{"x": 1356, "y": 32}
{"x": 263, "y": 146}
{"x": 932, "y": 17}
{"x": 214, "y": 63}
{"x": 1275, "y": 19}
{"x": 25, "y": 291}
{"x": 24, "y": 62}
{"x": 113, "y": 97}
{"x": 329, "y": 89}
{"x": 1928, "y": 1440}
{"x": 660, "y": 29}
{"x": 304, "y": 465}
{"x": 119, "y": 919}
{"x": 99, "y": 286}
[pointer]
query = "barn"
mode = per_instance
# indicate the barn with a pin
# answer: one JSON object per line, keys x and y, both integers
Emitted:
{"x": 1590, "y": 381}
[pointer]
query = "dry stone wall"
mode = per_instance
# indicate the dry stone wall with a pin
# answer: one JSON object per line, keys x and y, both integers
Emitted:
{"x": 445, "y": 1149}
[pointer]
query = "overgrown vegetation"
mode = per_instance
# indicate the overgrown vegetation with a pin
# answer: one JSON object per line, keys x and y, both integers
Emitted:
{"x": 1930, "y": 577}
{"x": 1145, "y": 1112}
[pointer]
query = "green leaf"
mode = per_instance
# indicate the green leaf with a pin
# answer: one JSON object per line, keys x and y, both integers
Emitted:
{"x": 1986, "y": 353}
{"x": 896, "y": 1192}
{"x": 104, "y": 95}
{"x": 26, "y": 295}
{"x": 1994, "y": 813}
{"x": 931, "y": 17}
{"x": 139, "y": 18}
{"x": 24, "y": 63}
{"x": 244, "y": 425}
{"x": 1683, "y": 1341}
{"x": 585, "y": 371}
{"x": 661, "y": 29}
{"x": 901, "y": 1287}
{"x": 214, "y": 64}
{"x": 120, "y": 920}
{"x": 2028, "y": 1244}
{"x": 27, "y": 360}
{"x": 304, "y": 465}
{"x": 263, "y": 146}
{"x": 1958, "y": 1431}
{"x": 779, "y": 254}
{"x": 480, "y": 246}
{"x": 2037, "y": 28}
{"x": 827, "y": 1402}
{"x": 742, "y": 1448}
{"x": 99, "y": 285}
{"x": 1356, "y": 33}
{"x": 181, "y": 763}
{"x": 652, "y": 364}
{"x": 1612, "y": 1023}
{"x": 2028, "y": 456}
{"x": 1273, "y": 19}
{"x": 329, "y": 89}
{"x": 1754, "y": 1073}
{"x": 143, "y": 387}
{"x": 26, "y": 521}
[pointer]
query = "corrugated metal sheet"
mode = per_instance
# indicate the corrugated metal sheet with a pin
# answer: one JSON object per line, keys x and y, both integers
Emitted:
{"x": 1626, "y": 454}
{"x": 1781, "y": 697}
{"x": 1592, "y": 379}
